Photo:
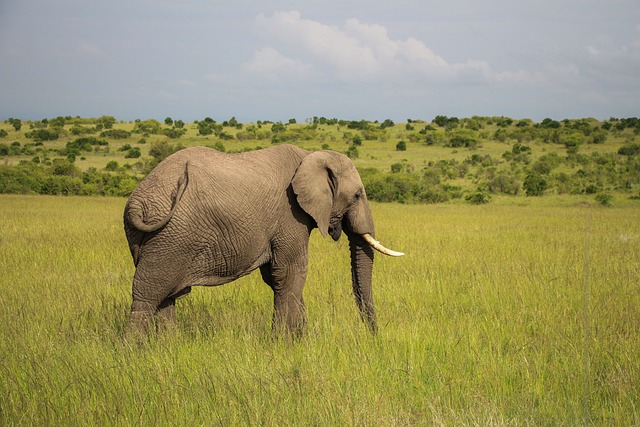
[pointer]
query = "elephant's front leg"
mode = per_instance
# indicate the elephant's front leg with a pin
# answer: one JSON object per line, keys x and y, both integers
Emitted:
{"x": 287, "y": 282}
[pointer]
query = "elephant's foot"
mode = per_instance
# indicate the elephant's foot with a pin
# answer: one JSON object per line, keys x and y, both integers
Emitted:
{"x": 166, "y": 316}
{"x": 290, "y": 319}
{"x": 140, "y": 324}
{"x": 293, "y": 329}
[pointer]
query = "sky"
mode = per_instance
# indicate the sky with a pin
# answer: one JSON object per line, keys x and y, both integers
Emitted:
{"x": 348, "y": 59}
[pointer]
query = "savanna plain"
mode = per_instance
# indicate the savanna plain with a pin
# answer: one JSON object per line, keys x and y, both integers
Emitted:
{"x": 518, "y": 312}
{"x": 517, "y": 302}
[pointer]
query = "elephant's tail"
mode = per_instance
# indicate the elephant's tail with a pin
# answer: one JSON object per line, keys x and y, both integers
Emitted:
{"x": 138, "y": 222}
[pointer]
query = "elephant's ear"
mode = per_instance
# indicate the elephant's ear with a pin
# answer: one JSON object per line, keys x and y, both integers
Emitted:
{"x": 314, "y": 185}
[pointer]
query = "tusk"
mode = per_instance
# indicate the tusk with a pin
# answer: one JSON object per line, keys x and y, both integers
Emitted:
{"x": 378, "y": 247}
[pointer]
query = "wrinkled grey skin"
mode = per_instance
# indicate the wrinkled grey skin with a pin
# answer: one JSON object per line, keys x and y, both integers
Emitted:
{"x": 205, "y": 218}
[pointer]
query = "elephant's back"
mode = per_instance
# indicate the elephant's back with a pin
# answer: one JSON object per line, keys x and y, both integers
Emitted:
{"x": 217, "y": 177}
{"x": 272, "y": 157}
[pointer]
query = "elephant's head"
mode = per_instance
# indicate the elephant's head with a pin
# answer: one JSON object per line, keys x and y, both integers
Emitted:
{"x": 329, "y": 189}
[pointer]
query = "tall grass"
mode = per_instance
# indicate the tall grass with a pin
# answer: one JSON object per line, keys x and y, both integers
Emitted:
{"x": 498, "y": 314}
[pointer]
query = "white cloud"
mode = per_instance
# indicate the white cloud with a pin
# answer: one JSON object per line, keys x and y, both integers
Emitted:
{"x": 353, "y": 52}
{"x": 325, "y": 45}
{"x": 593, "y": 51}
{"x": 360, "y": 51}
{"x": 270, "y": 63}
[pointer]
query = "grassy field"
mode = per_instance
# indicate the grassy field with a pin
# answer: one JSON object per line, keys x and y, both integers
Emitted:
{"x": 502, "y": 314}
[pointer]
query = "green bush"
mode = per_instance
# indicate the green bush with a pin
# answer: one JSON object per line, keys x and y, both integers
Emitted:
{"x": 604, "y": 199}
{"x": 150, "y": 126}
{"x": 174, "y": 133}
{"x": 82, "y": 130}
{"x": 534, "y": 185}
{"x": 42, "y": 135}
{"x": 133, "y": 153}
{"x": 353, "y": 152}
{"x": 462, "y": 138}
{"x": 478, "y": 198}
{"x": 405, "y": 187}
{"x": 160, "y": 151}
{"x": 503, "y": 181}
{"x": 63, "y": 178}
{"x": 629, "y": 150}
{"x": 22, "y": 179}
{"x": 115, "y": 134}
{"x": 112, "y": 166}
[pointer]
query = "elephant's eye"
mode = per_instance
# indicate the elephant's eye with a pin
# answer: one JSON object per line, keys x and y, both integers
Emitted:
{"x": 357, "y": 196}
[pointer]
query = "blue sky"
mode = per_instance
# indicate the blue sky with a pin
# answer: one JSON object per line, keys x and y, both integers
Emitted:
{"x": 283, "y": 59}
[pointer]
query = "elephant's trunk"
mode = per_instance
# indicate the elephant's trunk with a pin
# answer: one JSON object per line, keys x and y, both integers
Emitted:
{"x": 361, "y": 271}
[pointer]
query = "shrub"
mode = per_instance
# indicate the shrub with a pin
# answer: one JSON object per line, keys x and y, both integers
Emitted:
{"x": 534, "y": 185}
{"x": 133, "y": 153}
{"x": 63, "y": 179}
{"x": 405, "y": 187}
{"x": 112, "y": 166}
{"x": 503, "y": 182}
{"x": 591, "y": 189}
{"x": 604, "y": 199}
{"x": 545, "y": 164}
{"x": 174, "y": 133}
{"x": 462, "y": 138}
{"x": 82, "y": 130}
{"x": 160, "y": 151}
{"x": 629, "y": 150}
{"x": 599, "y": 137}
{"x": 205, "y": 129}
{"x": 42, "y": 135}
{"x": 16, "y": 123}
{"x": 22, "y": 179}
{"x": 82, "y": 144}
{"x": 64, "y": 167}
{"x": 478, "y": 198}
{"x": 115, "y": 134}
{"x": 401, "y": 146}
{"x": 148, "y": 126}
{"x": 550, "y": 124}
{"x": 520, "y": 148}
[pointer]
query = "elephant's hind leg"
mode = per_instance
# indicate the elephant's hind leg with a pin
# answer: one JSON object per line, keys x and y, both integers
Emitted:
{"x": 150, "y": 298}
{"x": 140, "y": 322}
{"x": 166, "y": 315}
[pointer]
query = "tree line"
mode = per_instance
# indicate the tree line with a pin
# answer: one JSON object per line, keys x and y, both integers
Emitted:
{"x": 516, "y": 171}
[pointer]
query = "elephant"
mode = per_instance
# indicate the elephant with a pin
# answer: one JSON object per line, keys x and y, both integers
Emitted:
{"x": 205, "y": 218}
